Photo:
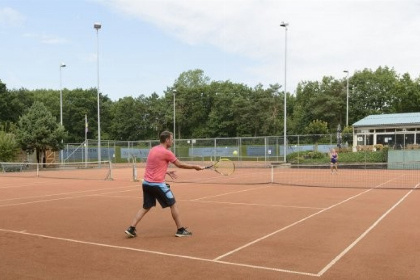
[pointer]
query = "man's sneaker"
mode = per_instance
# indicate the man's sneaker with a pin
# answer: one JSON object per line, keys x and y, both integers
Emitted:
{"x": 181, "y": 232}
{"x": 131, "y": 232}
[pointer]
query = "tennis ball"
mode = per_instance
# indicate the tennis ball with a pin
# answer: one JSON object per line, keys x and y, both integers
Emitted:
{"x": 235, "y": 152}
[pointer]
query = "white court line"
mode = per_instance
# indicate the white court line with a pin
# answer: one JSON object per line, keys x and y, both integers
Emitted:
{"x": 22, "y": 186}
{"x": 296, "y": 223}
{"x": 24, "y": 232}
{"x": 255, "y": 204}
{"x": 339, "y": 256}
{"x": 107, "y": 194}
{"x": 230, "y": 203}
{"x": 62, "y": 198}
{"x": 223, "y": 194}
{"x": 214, "y": 178}
{"x": 66, "y": 193}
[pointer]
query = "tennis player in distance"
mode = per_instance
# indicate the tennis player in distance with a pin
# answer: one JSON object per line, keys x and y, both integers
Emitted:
{"x": 333, "y": 161}
{"x": 154, "y": 186}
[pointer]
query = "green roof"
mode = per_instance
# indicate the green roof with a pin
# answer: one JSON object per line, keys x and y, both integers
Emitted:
{"x": 389, "y": 120}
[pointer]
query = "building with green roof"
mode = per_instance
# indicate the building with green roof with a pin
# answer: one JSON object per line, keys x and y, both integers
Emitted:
{"x": 397, "y": 131}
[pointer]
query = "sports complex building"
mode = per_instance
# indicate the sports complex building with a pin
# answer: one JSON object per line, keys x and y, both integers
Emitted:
{"x": 397, "y": 131}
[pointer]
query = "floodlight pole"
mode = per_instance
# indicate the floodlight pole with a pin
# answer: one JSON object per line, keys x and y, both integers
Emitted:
{"x": 285, "y": 25}
{"x": 98, "y": 26}
{"x": 347, "y": 98}
{"x": 62, "y": 65}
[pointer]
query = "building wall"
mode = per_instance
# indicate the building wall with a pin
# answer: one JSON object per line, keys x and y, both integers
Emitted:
{"x": 395, "y": 137}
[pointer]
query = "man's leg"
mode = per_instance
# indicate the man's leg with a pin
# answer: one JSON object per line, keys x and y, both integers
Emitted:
{"x": 181, "y": 231}
{"x": 131, "y": 231}
{"x": 140, "y": 214}
{"x": 175, "y": 215}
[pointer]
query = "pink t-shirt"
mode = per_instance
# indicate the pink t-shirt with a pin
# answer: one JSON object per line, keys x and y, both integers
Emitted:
{"x": 157, "y": 164}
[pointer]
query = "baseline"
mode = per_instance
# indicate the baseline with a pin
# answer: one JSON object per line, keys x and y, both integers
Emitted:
{"x": 156, "y": 252}
{"x": 61, "y": 198}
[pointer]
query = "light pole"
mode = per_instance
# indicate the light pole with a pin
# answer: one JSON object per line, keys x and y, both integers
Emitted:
{"x": 62, "y": 65}
{"x": 285, "y": 25}
{"x": 347, "y": 98}
{"x": 98, "y": 26}
{"x": 174, "y": 91}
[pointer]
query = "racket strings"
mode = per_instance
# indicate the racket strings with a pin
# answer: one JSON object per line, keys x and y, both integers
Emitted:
{"x": 225, "y": 167}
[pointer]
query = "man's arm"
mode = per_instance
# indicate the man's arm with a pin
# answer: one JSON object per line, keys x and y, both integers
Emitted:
{"x": 182, "y": 165}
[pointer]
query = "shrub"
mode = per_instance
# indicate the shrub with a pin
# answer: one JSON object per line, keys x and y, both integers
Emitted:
{"x": 305, "y": 156}
{"x": 8, "y": 147}
{"x": 314, "y": 157}
{"x": 379, "y": 147}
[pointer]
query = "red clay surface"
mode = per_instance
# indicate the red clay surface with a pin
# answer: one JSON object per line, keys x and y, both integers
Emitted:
{"x": 74, "y": 229}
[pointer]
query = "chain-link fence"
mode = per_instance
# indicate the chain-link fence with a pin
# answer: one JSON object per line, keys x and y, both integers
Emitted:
{"x": 270, "y": 148}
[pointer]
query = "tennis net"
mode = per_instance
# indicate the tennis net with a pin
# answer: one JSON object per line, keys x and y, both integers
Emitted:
{"x": 403, "y": 175}
{"x": 97, "y": 170}
{"x": 396, "y": 175}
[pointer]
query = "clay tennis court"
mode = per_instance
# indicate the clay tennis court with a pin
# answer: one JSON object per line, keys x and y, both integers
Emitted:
{"x": 242, "y": 227}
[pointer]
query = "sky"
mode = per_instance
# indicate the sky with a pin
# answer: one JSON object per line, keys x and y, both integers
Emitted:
{"x": 144, "y": 45}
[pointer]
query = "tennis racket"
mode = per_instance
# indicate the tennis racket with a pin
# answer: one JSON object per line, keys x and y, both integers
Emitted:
{"x": 223, "y": 166}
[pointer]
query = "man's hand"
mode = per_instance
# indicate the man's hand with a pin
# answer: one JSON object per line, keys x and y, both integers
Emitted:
{"x": 172, "y": 174}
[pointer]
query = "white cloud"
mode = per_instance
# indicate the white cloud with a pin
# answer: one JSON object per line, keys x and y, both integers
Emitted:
{"x": 11, "y": 17}
{"x": 324, "y": 37}
{"x": 46, "y": 39}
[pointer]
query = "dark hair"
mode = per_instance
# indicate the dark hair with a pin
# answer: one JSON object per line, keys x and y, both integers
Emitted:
{"x": 164, "y": 135}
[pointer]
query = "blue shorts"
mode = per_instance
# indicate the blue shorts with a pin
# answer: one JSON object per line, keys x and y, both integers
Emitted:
{"x": 157, "y": 191}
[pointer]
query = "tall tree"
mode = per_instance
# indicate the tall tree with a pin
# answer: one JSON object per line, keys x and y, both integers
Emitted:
{"x": 328, "y": 104}
{"x": 13, "y": 103}
{"x": 39, "y": 131}
{"x": 125, "y": 125}
{"x": 188, "y": 89}
{"x": 406, "y": 95}
{"x": 372, "y": 92}
{"x": 156, "y": 110}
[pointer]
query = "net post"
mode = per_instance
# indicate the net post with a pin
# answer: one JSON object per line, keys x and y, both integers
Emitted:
{"x": 109, "y": 175}
{"x": 135, "y": 179}
{"x": 272, "y": 174}
{"x": 135, "y": 174}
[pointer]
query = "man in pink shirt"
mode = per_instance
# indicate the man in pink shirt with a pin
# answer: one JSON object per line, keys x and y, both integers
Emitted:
{"x": 154, "y": 186}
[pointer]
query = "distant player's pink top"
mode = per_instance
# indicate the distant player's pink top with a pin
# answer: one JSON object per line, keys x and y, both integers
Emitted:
{"x": 157, "y": 164}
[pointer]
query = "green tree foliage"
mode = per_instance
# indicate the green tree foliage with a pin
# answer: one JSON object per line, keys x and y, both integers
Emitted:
{"x": 373, "y": 92}
{"x": 130, "y": 120}
{"x": 259, "y": 111}
{"x": 156, "y": 110}
{"x": 12, "y": 105}
{"x": 39, "y": 131}
{"x": 206, "y": 108}
{"x": 8, "y": 147}
{"x": 78, "y": 103}
{"x": 325, "y": 100}
{"x": 221, "y": 117}
{"x": 191, "y": 79}
{"x": 317, "y": 128}
{"x": 190, "y": 99}
{"x": 407, "y": 95}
